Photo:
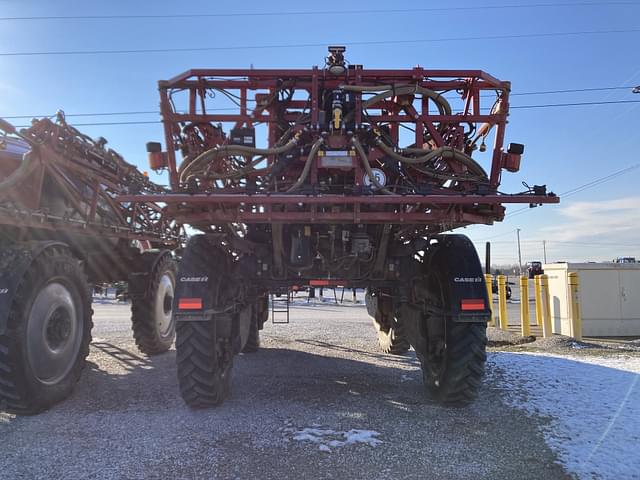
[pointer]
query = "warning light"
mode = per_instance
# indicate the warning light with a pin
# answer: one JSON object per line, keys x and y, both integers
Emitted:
{"x": 472, "y": 304}
{"x": 190, "y": 304}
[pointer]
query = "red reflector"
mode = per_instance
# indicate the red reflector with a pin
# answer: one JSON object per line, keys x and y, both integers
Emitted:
{"x": 472, "y": 304}
{"x": 318, "y": 283}
{"x": 190, "y": 304}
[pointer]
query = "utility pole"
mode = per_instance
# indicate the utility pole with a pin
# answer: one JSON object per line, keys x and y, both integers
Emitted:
{"x": 544, "y": 250}
{"x": 519, "y": 254}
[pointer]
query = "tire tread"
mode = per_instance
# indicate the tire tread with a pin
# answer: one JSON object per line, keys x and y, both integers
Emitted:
{"x": 16, "y": 394}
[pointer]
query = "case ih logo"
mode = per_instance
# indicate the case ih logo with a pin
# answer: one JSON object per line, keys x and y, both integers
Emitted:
{"x": 467, "y": 279}
{"x": 194, "y": 279}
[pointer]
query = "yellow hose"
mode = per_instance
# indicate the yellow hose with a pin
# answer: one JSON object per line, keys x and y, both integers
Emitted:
{"x": 307, "y": 165}
{"x": 443, "y": 104}
{"x": 225, "y": 150}
{"x": 445, "y": 152}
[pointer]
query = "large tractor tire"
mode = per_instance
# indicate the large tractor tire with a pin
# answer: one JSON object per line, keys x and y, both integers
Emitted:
{"x": 259, "y": 317}
{"x": 391, "y": 337}
{"x": 204, "y": 364}
{"x": 46, "y": 340}
{"x": 152, "y": 321}
{"x": 454, "y": 362}
{"x": 253, "y": 340}
{"x": 204, "y": 350}
{"x": 456, "y": 378}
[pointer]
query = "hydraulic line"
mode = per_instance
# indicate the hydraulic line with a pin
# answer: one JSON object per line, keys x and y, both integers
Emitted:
{"x": 365, "y": 88}
{"x": 444, "y": 152}
{"x": 239, "y": 173}
{"x": 392, "y": 91}
{"x": 307, "y": 165}
{"x": 225, "y": 150}
{"x": 367, "y": 166}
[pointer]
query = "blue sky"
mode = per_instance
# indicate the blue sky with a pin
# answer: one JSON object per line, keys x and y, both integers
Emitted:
{"x": 565, "y": 147}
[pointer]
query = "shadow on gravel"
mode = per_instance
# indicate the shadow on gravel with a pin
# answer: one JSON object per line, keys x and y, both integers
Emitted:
{"x": 322, "y": 307}
{"x": 117, "y": 378}
{"x": 127, "y": 420}
{"x": 127, "y": 358}
{"x": 408, "y": 358}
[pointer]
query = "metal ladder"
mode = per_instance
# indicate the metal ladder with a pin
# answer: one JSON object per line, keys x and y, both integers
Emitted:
{"x": 280, "y": 307}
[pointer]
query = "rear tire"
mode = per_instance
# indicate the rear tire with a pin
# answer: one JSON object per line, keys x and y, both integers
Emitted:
{"x": 253, "y": 340}
{"x": 204, "y": 348}
{"x": 258, "y": 319}
{"x": 43, "y": 351}
{"x": 391, "y": 339}
{"x": 453, "y": 362}
{"x": 391, "y": 336}
{"x": 204, "y": 374}
{"x": 457, "y": 379}
{"x": 152, "y": 322}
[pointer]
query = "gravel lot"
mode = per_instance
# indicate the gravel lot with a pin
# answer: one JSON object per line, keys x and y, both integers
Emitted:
{"x": 321, "y": 372}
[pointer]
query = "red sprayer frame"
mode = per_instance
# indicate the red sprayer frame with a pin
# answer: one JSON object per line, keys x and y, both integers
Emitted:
{"x": 256, "y": 95}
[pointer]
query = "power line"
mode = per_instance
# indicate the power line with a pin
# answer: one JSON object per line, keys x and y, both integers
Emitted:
{"x": 318, "y": 12}
{"x": 155, "y": 112}
{"x": 150, "y": 122}
{"x": 575, "y": 104}
{"x": 106, "y": 114}
{"x": 591, "y": 244}
{"x": 496, "y": 236}
{"x": 586, "y": 244}
{"x": 324, "y": 44}
{"x": 572, "y": 90}
{"x": 97, "y": 114}
{"x": 583, "y": 187}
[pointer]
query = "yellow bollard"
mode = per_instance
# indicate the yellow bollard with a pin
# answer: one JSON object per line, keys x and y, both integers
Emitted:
{"x": 576, "y": 315}
{"x": 524, "y": 306}
{"x": 538, "y": 298}
{"x": 546, "y": 310}
{"x": 502, "y": 302}
{"x": 488, "y": 280}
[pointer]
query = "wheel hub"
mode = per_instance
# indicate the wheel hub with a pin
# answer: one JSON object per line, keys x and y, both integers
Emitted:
{"x": 58, "y": 329}
{"x": 54, "y": 333}
{"x": 164, "y": 304}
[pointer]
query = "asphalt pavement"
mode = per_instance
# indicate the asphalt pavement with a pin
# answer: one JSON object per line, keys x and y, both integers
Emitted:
{"x": 317, "y": 401}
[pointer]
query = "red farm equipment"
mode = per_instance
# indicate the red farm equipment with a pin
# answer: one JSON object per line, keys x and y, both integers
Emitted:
{"x": 361, "y": 174}
{"x": 61, "y": 230}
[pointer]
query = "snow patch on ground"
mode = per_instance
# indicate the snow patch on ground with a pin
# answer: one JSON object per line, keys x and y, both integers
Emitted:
{"x": 593, "y": 404}
{"x": 327, "y": 438}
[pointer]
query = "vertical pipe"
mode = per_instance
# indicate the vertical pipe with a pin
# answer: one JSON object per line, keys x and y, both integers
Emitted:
{"x": 519, "y": 253}
{"x": 538, "y": 295}
{"x": 314, "y": 98}
{"x": 546, "y": 301}
{"x": 524, "y": 306}
{"x": 487, "y": 258}
{"x": 488, "y": 280}
{"x": 167, "y": 112}
{"x": 576, "y": 314}
{"x": 358, "y": 96}
{"x": 501, "y": 121}
{"x": 502, "y": 302}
